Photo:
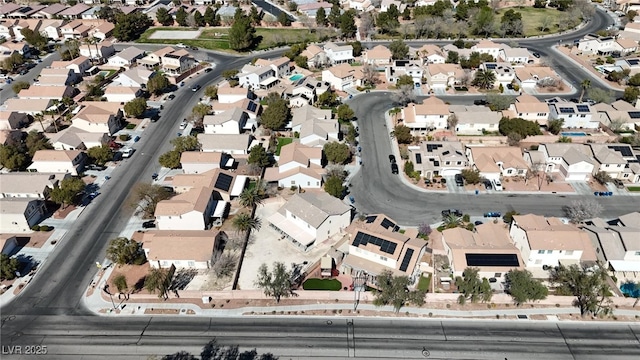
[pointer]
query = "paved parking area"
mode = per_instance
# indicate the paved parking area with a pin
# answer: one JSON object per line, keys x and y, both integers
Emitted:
{"x": 175, "y": 35}
{"x": 268, "y": 247}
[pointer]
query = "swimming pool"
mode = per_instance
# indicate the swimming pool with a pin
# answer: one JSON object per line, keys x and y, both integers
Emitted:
{"x": 630, "y": 290}
{"x": 104, "y": 73}
{"x": 296, "y": 77}
{"x": 573, "y": 134}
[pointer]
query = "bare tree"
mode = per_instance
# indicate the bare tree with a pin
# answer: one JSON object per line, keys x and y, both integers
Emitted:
{"x": 581, "y": 210}
{"x": 404, "y": 95}
{"x": 367, "y": 24}
{"x": 617, "y": 124}
{"x": 452, "y": 121}
{"x": 369, "y": 74}
{"x": 536, "y": 171}
{"x": 585, "y": 8}
{"x": 466, "y": 78}
{"x": 223, "y": 264}
{"x": 321, "y": 60}
{"x": 420, "y": 26}
{"x": 545, "y": 23}
{"x": 336, "y": 170}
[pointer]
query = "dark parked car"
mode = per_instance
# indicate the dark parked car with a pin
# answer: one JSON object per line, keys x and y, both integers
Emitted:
{"x": 487, "y": 184}
{"x": 448, "y": 212}
{"x": 96, "y": 167}
{"x": 149, "y": 224}
{"x": 492, "y": 214}
{"x": 480, "y": 102}
{"x": 171, "y": 97}
{"x": 478, "y": 223}
{"x": 536, "y": 54}
{"x": 510, "y": 86}
{"x": 392, "y": 159}
{"x": 208, "y": 70}
{"x": 459, "y": 180}
{"x": 618, "y": 183}
{"x": 394, "y": 168}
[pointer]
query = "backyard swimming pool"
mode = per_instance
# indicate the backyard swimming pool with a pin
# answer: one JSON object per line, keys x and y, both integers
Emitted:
{"x": 296, "y": 77}
{"x": 104, "y": 73}
{"x": 630, "y": 289}
{"x": 573, "y": 134}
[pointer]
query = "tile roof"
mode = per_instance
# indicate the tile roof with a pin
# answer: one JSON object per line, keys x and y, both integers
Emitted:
{"x": 314, "y": 208}
{"x": 195, "y": 199}
{"x": 56, "y": 155}
{"x": 168, "y": 245}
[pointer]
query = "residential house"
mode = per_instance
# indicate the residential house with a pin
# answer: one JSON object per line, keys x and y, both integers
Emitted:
{"x": 228, "y": 94}
{"x": 55, "y": 161}
{"x": 494, "y": 162}
{"x": 474, "y": 120}
{"x": 25, "y": 12}
{"x": 298, "y": 166}
{"x": 384, "y": 5}
{"x": 6, "y": 29}
{"x": 574, "y": 116}
{"x": 7, "y": 8}
{"x": 303, "y": 114}
{"x": 281, "y": 66}
{"x": 47, "y": 92}
{"x": 430, "y": 115}
{"x": 316, "y": 57}
{"x": 376, "y": 245}
{"x": 431, "y": 54}
{"x": 28, "y": 106}
{"x": 122, "y": 94}
{"x": 338, "y": 54}
{"x": 570, "y": 160}
{"x": 197, "y": 162}
{"x": 225, "y": 184}
{"x": 625, "y": 115}
{"x": 126, "y": 58}
{"x": 404, "y": 67}
{"x": 18, "y": 215}
{"x": 50, "y": 11}
{"x": 488, "y": 248}
{"x": 517, "y": 55}
{"x": 311, "y": 9}
{"x": 191, "y": 210}
{"x": 20, "y": 47}
{"x": 317, "y": 132}
{"x": 73, "y": 138}
{"x": 340, "y": 76}
{"x": 229, "y": 122}
{"x": 488, "y": 47}
{"x": 99, "y": 117}
{"x": 361, "y": 5}
{"x": 548, "y": 241}
{"x": 52, "y": 29}
{"x": 250, "y": 107}
{"x": 593, "y": 44}
{"x": 257, "y": 77}
{"x": 308, "y": 89}
{"x": 13, "y": 120}
{"x": 379, "y": 56}
{"x": 504, "y": 72}
{"x": 92, "y": 13}
{"x": 10, "y": 137}
{"x": 528, "y": 107}
{"x": 529, "y": 77}
{"x": 310, "y": 218}
{"x": 74, "y": 12}
{"x": 616, "y": 160}
{"x": 442, "y": 76}
{"x": 32, "y": 24}
{"x": 438, "y": 158}
{"x": 76, "y": 29}
{"x": 177, "y": 62}
{"x": 57, "y": 77}
{"x": 238, "y": 144}
{"x": 626, "y": 47}
{"x": 191, "y": 249}
{"x": 154, "y": 59}
{"x": 8, "y": 243}
{"x": 101, "y": 51}
{"x": 79, "y": 65}
{"x": 29, "y": 184}
{"x": 134, "y": 77}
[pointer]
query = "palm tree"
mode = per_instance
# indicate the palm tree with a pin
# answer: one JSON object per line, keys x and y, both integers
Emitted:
{"x": 484, "y": 79}
{"x": 451, "y": 221}
{"x": 250, "y": 197}
{"x": 585, "y": 85}
{"x": 244, "y": 222}
{"x": 394, "y": 112}
{"x": 157, "y": 279}
{"x": 39, "y": 117}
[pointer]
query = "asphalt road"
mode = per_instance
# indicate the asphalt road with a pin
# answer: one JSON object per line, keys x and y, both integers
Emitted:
{"x": 7, "y": 91}
{"x": 321, "y": 338}
{"x": 376, "y": 190}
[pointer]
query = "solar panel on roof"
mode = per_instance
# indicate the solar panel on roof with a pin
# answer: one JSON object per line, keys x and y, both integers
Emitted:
{"x": 634, "y": 114}
{"x": 490, "y": 66}
{"x": 223, "y": 182}
{"x": 418, "y": 159}
{"x": 386, "y": 223}
{"x": 405, "y": 261}
{"x": 633, "y": 61}
{"x": 510, "y": 260}
{"x": 385, "y": 246}
{"x": 566, "y": 110}
{"x": 582, "y": 108}
{"x": 370, "y": 219}
{"x": 431, "y": 147}
{"x": 252, "y": 106}
{"x": 623, "y": 150}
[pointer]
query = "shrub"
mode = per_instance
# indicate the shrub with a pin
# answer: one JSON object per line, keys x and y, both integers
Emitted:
{"x": 45, "y": 228}
{"x": 131, "y": 126}
{"x": 466, "y": 217}
{"x": 124, "y": 137}
{"x": 35, "y": 228}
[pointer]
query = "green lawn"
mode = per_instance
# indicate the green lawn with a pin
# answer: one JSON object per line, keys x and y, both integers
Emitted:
{"x": 633, "y": 188}
{"x": 322, "y": 284}
{"x": 532, "y": 18}
{"x": 282, "y": 142}
{"x": 424, "y": 283}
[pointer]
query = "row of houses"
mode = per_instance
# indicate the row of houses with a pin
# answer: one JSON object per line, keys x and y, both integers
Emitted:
{"x": 57, "y": 29}
{"x": 571, "y": 162}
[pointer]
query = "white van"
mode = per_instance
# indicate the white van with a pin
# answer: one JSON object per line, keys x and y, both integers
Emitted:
{"x": 497, "y": 185}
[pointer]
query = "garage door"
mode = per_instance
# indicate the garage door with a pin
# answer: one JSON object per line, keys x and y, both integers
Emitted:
{"x": 577, "y": 177}
{"x": 449, "y": 172}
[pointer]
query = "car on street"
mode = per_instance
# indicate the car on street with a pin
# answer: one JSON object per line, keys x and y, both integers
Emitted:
{"x": 181, "y": 45}
{"x": 149, "y": 224}
{"x": 93, "y": 195}
{"x": 181, "y": 83}
{"x": 478, "y": 223}
{"x": 536, "y": 54}
{"x": 352, "y": 199}
{"x": 394, "y": 168}
{"x": 618, "y": 183}
{"x": 127, "y": 152}
{"x": 448, "y": 212}
{"x": 392, "y": 159}
{"x": 208, "y": 70}
{"x": 196, "y": 88}
{"x": 510, "y": 86}
{"x": 171, "y": 97}
{"x": 183, "y": 124}
{"x": 459, "y": 180}
{"x": 497, "y": 185}
{"x": 492, "y": 214}
{"x": 480, "y": 102}
{"x": 136, "y": 138}
{"x": 154, "y": 176}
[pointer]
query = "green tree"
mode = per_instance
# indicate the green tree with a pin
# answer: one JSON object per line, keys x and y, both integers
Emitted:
{"x": 589, "y": 286}
{"x": 130, "y": 26}
{"x": 12, "y": 158}
{"x": 301, "y": 61}
{"x": 345, "y": 113}
{"x": 471, "y": 176}
{"x": 555, "y": 126}
{"x": 123, "y": 251}
{"x": 321, "y": 17}
{"x": 163, "y": 17}
{"x": 211, "y": 91}
{"x": 602, "y": 177}
{"x": 120, "y": 281}
{"x": 522, "y": 287}
{"x": 451, "y": 221}
{"x": 255, "y": 16}
{"x": 100, "y": 154}
{"x": 452, "y": 57}
{"x": 402, "y": 134}
{"x": 170, "y": 159}
{"x": 357, "y": 47}
{"x": 584, "y": 85}
{"x": 511, "y": 22}
{"x": 37, "y": 141}
{"x": 348, "y": 25}
{"x": 484, "y": 22}
{"x": 337, "y": 153}
{"x": 210, "y": 16}
{"x": 394, "y": 290}
{"x": 508, "y": 216}
{"x": 200, "y": 111}
{"x": 484, "y": 79}
{"x": 146, "y": 196}
{"x": 276, "y": 283}
{"x": 230, "y": 74}
{"x": 67, "y": 192}
{"x": 34, "y": 38}
{"x": 13, "y": 61}
{"x": 475, "y": 59}
{"x": 283, "y": 19}
{"x": 19, "y": 86}
{"x": 109, "y": 13}
{"x": 520, "y": 126}
{"x": 334, "y": 186}
{"x": 241, "y": 33}
{"x": 157, "y": 84}
{"x": 472, "y": 288}
{"x": 258, "y": 157}
{"x": 198, "y": 19}
{"x": 404, "y": 80}
{"x": 276, "y": 115}
{"x": 631, "y": 94}
{"x": 251, "y": 197}
{"x": 243, "y": 222}
{"x": 334, "y": 15}
{"x": 136, "y": 107}
{"x": 181, "y": 17}
{"x": 157, "y": 280}
{"x": 185, "y": 143}
{"x": 409, "y": 168}
{"x": 328, "y": 98}
{"x": 399, "y": 50}
{"x": 8, "y": 267}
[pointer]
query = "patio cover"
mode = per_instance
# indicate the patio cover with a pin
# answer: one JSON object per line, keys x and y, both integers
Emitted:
{"x": 238, "y": 185}
{"x": 292, "y": 229}
{"x": 268, "y": 81}
{"x": 625, "y": 265}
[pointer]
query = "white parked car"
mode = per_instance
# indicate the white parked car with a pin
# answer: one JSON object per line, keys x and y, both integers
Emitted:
{"x": 183, "y": 125}
{"x": 497, "y": 185}
{"x": 127, "y": 152}
{"x": 181, "y": 45}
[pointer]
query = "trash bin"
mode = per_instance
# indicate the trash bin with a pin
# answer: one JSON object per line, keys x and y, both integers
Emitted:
{"x": 477, "y": 191}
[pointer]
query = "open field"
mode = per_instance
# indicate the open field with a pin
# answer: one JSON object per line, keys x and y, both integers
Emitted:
{"x": 532, "y": 18}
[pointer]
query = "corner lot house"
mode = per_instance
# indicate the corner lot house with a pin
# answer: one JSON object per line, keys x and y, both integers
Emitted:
{"x": 375, "y": 245}
{"x": 338, "y": 54}
{"x": 528, "y": 107}
{"x": 310, "y": 218}
{"x": 182, "y": 249}
{"x": 549, "y": 241}
{"x": 18, "y": 215}
{"x": 54, "y": 161}
{"x": 489, "y": 248}
{"x": 191, "y": 210}
{"x": 430, "y": 115}
{"x": 126, "y": 58}
{"x": 340, "y": 76}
